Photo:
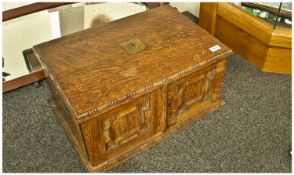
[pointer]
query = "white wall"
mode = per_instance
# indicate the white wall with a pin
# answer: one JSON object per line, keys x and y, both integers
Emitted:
{"x": 12, "y": 5}
{"x": 20, "y": 34}
{"x": 192, "y": 7}
{"x": 71, "y": 20}
{"x": 112, "y": 11}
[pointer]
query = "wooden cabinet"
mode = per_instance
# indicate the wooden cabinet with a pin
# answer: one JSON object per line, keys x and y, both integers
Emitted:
{"x": 131, "y": 83}
{"x": 254, "y": 39}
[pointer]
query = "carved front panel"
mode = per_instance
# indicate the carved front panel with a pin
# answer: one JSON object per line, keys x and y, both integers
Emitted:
{"x": 127, "y": 124}
{"x": 188, "y": 92}
{"x": 124, "y": 127}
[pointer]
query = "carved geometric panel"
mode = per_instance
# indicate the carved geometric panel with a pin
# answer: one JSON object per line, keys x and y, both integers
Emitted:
{"x": 188, "y": 92}
{"x": 127, "y": 124}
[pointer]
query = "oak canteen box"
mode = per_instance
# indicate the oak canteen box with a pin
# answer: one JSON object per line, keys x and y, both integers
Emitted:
{"x": 125, "y": 86}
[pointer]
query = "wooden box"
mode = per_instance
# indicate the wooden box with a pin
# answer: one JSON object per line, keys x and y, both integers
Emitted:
{"x": 123, "y": 87}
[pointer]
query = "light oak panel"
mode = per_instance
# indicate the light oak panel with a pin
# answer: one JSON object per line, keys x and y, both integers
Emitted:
{"x": 281, "y": 37}
{"x": 249, "y": 36}
{"x": 207, "y": 16}
{"x": 254, "y": 26}
{"x": 241, "y": 42}
{"x": 278, "y": 60}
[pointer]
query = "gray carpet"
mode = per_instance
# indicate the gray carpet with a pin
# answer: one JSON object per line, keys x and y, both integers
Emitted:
{"x": 251, "y": 133}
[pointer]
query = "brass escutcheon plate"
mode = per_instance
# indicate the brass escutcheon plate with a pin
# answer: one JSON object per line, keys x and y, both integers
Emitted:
{"x": 133, "y": 46}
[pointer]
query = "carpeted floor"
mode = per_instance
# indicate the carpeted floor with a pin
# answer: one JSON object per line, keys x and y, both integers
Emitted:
{"x": 251, "y": 133}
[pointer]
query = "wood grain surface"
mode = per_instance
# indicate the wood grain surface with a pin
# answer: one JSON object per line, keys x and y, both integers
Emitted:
{"x": 278, "y": 60}
{"x": 91, "y": 69}
{"x": 207, "y": 16}
{"x": 240, "y": 41}
{"x": 256, "y": 40}
{"x": 261, "y": 30}
{"x": 281, "y": 37}
{"x": 123, "y": 87}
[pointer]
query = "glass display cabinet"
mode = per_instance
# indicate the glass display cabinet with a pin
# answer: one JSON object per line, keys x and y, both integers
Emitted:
{"x": 261, "y": 32}
{"x": 278, "y": 14}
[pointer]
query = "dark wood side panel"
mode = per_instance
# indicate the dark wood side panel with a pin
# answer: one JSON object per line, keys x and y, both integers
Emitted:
{"x": 68, "y": 121}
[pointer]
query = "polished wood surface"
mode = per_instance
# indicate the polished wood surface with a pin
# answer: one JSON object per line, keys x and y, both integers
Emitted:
{"x": 118, "y": 134}
{"x": 281, "y": 37}
{"x": 208, "y": 14}
{"x": 256, "y": 27}
{"x": 167, "y": 52}
{"x": 278, "y": 59}
{"x": 241, "y": 42}
{"x": 123, "y": 87}
{"x": 251, "y": 37}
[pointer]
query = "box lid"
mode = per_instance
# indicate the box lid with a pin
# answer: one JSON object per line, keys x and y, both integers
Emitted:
{"x": 100, "y": 67}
